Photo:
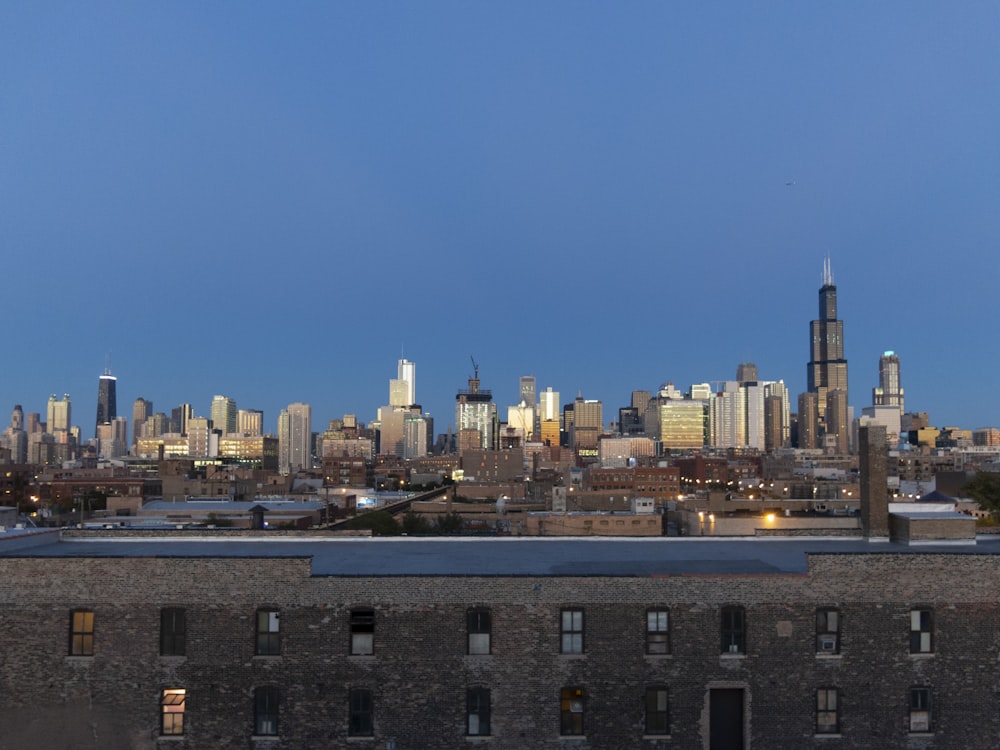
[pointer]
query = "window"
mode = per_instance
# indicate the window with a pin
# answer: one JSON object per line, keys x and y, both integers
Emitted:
{"x": 921, "y": 631}
{"x": 478, "y": 626}
{"x": 268, "y": 632}
{"x": 571, "y": 711}
{"x": 172, "y": 703}
{"x": 657, "y": 710}
{"x": 81, "y": 632}
{"x": 920, "y": 709}
{"x": 572, "y": 631}
{"x": 362, "y": 632}
{"x": 658, "y": 631}
{"x": 733, "y": 630}
{"x": 477, "y": 711}
{"x": 172, "y": 632}
{"x": 827, "y": 717}
{"x": 827, "y": 631}
{"x": 360, "y": 722}
{"x": 265, "y": 711}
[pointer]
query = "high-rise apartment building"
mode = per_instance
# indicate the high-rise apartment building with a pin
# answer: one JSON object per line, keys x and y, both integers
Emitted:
{"x": 836, "y": 424}
{"x": 141, "y": 411}
{"x": 250, "y": 422}
{"x": 827, "y": 368}
{"x": 808, "y": 423}
{"x": 58, "y": 415}
{"x": 548, "y": 405}
{"x": 202, "y": 438}
{"x": 889, "y": 392}
{"x": 295, "y": 438}
{"x": 107, "y": 399}
{"x": 223, "y": 414}
{"x": 746, "y": 372}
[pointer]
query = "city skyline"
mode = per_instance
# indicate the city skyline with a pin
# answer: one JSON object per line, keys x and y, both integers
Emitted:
{"x": 604, "y": 200}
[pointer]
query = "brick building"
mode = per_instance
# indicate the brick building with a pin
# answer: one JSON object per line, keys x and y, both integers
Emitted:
{"x": 305, "y": 642}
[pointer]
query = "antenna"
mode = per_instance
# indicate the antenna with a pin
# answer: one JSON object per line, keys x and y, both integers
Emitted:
{"x": 827, "y": 272}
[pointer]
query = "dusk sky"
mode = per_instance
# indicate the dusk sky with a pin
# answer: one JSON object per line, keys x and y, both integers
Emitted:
{"x": 274, "y": 201}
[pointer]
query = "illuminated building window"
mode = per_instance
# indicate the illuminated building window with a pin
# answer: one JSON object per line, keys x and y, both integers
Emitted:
{"x": 81, "y": 632}
{"x": 172, "y": 704}
{"x": 571, "y": 705}
{"x": 827, "y": 711}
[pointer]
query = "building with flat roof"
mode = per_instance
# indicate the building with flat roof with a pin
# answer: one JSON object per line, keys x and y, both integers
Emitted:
{"x": 281, "y": 640}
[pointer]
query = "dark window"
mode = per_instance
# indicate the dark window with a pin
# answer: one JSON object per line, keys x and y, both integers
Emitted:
{"x": 827, "y": 711}
{"x": 657, "y": 710}
{"x": 81, "y": 632}
{"x": 268, "y": 632}
{"x": 477, "y": 710}
{"x": 571, "y": 711}
{"x": 173, "y": 632}
{"x": 265, "y": 711}
{"x": 920, "y": 709}
{"x": 572, "y": 631}
{"x": 172, "y": 703}
{"x": 733, "y": 630}
{"x": 827, "y": 631}
{"x": 921, "y": 631}
{"x": 478, "y": 625}
{"x": 362, "y": 631}
{"x": 658, "y": 631}
{"x": 360, "y": 723}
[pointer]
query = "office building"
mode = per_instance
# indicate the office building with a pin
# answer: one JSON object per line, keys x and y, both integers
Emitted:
{"x": 107, "y": 399}
{"x": 746, "y": 372}
{"x": 827, "y": 368}
{"x": 808, "y": 421}
{"x": 112, "y": 438}
{"x": 250, "y": 422}
{"x": 406, "y": 372}
{"x": 889, "y": 392}
{"x": 837, "y": 424}
{"x": 298, "y": 437}
{"x": 58, "y": 415}
{"x": 475, "y": 410}
{"x": 141, "y": 411}
{"x": 527, "y": 387}
{"x": 202, "y": 438}
{"x": 223, "y": 414}
{"x": 179, "y": 417}
{"x": 548, "y": 405}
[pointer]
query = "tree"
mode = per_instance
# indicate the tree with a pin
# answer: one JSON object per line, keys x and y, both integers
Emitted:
{"x": 414, "y": 523}
{"x": 451, "y": 523}
{"x": 380, "y": 522}
{"x": 985, "y": 490}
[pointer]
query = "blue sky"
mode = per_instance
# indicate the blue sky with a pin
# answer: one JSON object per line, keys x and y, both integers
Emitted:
{"x": 273, "y": 201}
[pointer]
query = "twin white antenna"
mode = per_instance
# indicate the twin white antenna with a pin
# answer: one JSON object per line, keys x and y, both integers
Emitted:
{"x": 827, "y": 272}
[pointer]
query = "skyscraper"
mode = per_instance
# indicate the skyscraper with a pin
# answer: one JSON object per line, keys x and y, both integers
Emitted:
{"x": 475, "y": 410}
{"x": 141, "y": 411}
{"x": 223, "y": 414}
{"x": 827, "y": 369}
{"x": 888, "y": 392}
{"x": 299, "y": 436}
{"x": 250, "y": 422}
{"x": 107, "y": 403}
{"x": 58, "y": 416}
{"x": 406, "y": 371}
{"x": 746, "y": 372}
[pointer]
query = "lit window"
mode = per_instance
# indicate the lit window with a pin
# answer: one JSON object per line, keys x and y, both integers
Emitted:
{"x": 362, "y": 632}
{"x": 478, "y": 626}
{"x": 172, "y": 703}
{"x": 827, "y": 631}
{"x": 572, "y": 631}
{"x": 571, "y": 711}
{"x": 265, "y": 711}
{"x": 477, "y": 710}
{"x": 173, "y": 631}
{"x": 827, "y": 716}
{"x": 657, "y": 710}
{"x": 658, "y": 631}
{"x": 268, "y": 632}
{"x": 921, "y": 631}
{"x": 733, "y": 630}
{"x": 920, "y": 709}
{"x": 81, "y": 633}
{"x": 360, "y": 723}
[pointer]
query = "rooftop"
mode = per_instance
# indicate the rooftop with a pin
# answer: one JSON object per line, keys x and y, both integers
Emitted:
{"x": 462, "y": 556}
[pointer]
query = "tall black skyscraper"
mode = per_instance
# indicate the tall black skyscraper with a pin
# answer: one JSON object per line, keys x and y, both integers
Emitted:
{"x": 827, "y": 368}
{"x": 107, "y": 406}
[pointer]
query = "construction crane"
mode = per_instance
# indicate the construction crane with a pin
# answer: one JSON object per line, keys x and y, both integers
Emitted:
{"x": 475, "y": 368}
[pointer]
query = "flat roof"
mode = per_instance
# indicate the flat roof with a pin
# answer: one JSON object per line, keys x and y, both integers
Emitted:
{"x": 505, "y": 556}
